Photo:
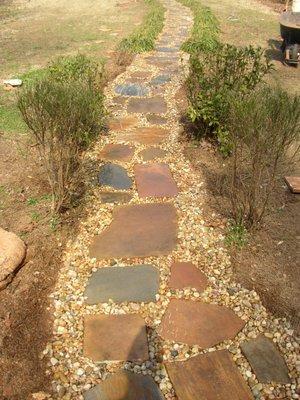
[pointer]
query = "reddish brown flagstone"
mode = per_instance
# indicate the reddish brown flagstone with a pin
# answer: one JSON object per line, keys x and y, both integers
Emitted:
{"x": 154, "y": 180}
{"x": 138, "y": 231}
{"x": 151, "y": 153}
{"x": 155, "y": 105}
{"x": 293, "y": 183}
{"x": 115, "y": 337}
{"x": 194, "y": 322}
{"x": 119, "y": 152}
{"x": 185, "y": 274}
{"x": 210, "y": 376}
{"x": 152, "y": 135}
{"x": 123, "y": 123}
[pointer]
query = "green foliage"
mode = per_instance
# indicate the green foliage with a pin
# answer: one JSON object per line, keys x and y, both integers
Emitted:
{"x": 64, "y": 110}
{"x": 236, "y": 235}
{"x": 263, "y": 128}
{"x": 143, "y": 38}
{"x": 205, "y": 32}
{"x": 215, "y": 79}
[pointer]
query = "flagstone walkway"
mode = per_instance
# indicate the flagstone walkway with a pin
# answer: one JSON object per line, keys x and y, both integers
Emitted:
{"x": 145, "y": 307}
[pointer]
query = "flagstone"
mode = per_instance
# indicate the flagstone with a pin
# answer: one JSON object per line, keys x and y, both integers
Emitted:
{"x": 293, "y": 183}
{"x": 210, "y": 376}
{"x": 147, "y": 136}
{"x": 138, "y": 231}
{"x": 156, "y": 119}
{"x": 266, "y": 361}
{"x": 131, "y": 89}
{"x": 123, "y": 123}
{"x": 208, "y": 324}
{"x": 160, "y": 80}
{"x": 167, "y": 49}
{"x": 150, "y": 105}
{"x": 115, "y": 338}
{"x": 135, "y": 283}
{"x": 151, "y": 153}
{"x": 115, "y": 176}
{"x": 140, "y": 75}
{"x": 125, "y": 385}
{"x": 186, "y": 274}
{"x": 115, "y": 197}
{"x": 118, "y": 152}
{"x": 154, "y": 180}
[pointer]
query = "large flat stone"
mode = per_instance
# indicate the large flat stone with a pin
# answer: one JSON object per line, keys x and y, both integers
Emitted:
{"x": 156, "y": 119}
{"x": 138, "y": 231}
{"x": 137, "y": 283}
{"x": 266, "y": 361}
{"x": 115, "y": 197}
{"x": 210, "y": 376}
{"x": 199, "y": 323}
{"x": 185, "y": 274}
{"x": 160, "y": 80}
{"x": 154, "y": 180}
{"x": 118, "y": 152}
{"x": 115, "y": 338}
{"x": 293, "y": 183}
{"x": 115, "y": 176}
{"x": 125, "y": 385}
{"x": 152, "y": 105}
{"x": 151, "y": 153}
{"x": 151, "y": 135}
{"x": 131, "y": 89}
{"x": 119, "y": 124}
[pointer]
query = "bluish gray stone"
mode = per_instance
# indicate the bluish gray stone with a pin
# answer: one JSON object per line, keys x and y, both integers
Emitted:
{"x": 132, "y": 89}
{"x": 167, "y": 49}
{"x": 161, "y": 80}
{"x": 135, "y": 283}
{"x": 115, "y": 176}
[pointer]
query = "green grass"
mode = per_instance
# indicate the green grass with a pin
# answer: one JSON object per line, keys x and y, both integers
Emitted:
{"x": 205, "y": 32}
{"x": 143, "y": 38}
{"x": 236, "y": 235}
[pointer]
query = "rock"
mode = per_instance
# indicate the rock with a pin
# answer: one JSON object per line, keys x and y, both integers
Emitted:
{"x": 148, "y": 135}
{"x": 151, "y": 153}
{"x": 153, "y": 105}
{"x": 12, "y": 253}
{"x": 266, "y": 361}
{"x": 115, "y": 176}
{"x": 131, "y": 89}
{"x": 127, "y": 386}
{"x": 13, "y": 82}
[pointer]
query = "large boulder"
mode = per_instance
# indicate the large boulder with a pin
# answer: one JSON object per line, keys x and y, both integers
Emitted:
{"x": 12, "y": 253}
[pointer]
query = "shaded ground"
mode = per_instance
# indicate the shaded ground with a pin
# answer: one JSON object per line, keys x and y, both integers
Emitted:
{"x": 31, "y": 32}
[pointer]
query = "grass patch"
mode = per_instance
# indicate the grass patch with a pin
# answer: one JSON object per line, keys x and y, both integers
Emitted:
{"x": 143, "y": 38}
{"x": 205, "y": 32}
{"x": 236, "y": 235}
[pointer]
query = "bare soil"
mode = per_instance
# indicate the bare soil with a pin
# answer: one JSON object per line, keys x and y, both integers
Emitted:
{"x": 25, "y": 318}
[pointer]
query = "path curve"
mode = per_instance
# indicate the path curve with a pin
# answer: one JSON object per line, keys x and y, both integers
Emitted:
{"x": 154, "y": 229}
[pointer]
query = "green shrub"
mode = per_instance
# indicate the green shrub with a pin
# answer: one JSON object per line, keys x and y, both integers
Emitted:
{"x": 64, "y": 111}
{"x": 143, "y": 38}
{"x": 217, "y": 77}
{"x": 205, "y": 32}
{"x": 262, "y": 128}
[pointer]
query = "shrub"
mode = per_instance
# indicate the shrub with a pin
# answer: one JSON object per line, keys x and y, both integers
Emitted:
{"x": 143, "y": 38}
{"x": 64, "y": 111}
{"x": 217, "y": 77}
{"x": 262, "y": 129}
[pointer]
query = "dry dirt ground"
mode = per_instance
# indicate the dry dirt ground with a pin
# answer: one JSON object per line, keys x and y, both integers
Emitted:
{"x": 270, "y": 260}
{"x": 31, "y": 33}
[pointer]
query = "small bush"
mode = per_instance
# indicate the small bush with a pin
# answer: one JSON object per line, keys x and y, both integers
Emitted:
{"x": 143, "y": 38}
{"x": 64, "y": 111}
{"x": 262, "y": 129}
{"x": 217, "y": 77}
